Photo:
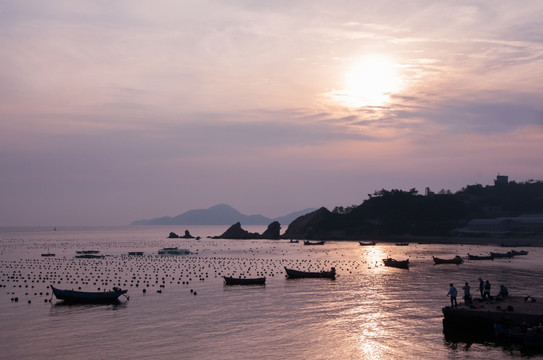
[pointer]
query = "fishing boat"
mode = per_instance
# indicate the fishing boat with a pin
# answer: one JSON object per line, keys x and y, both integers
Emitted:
{"x": 73, "y": 296}
{"x": 48, "y": 254}
{"x": 173, "y": 251}
{"x": 367, "y": 243}
{"x": 455, "y": 260}
{"x": 314, "y": 243}
{"x": 402, "y": 244}
{"x": 519, "y": 252}
{"x": 135, "y": 253}
{"x": 401, "y": 264}
{"x": 480, "y": 257}
{"x": 87, "y": 252}
{"x": 508, "y": 254}
{"x": 296, "y": 274}
{"x": 526, "y": 336}
{"x": 228, "y": 280}
{"x": 292, "y": 241}
{"x": 89, "y": 256}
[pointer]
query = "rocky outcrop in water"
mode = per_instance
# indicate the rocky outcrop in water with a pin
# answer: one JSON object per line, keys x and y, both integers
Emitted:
{"x": 175, "y": 236}
{"x": 272, "y": 232}
{"x": 309, "y": 226}
{"x": 238, "y": 233}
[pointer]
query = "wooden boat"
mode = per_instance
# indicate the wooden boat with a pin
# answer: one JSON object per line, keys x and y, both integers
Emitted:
{"x": 228, "y": 280}
{"x": 455, "y": 260}
{"x": 73, "y": 296}
{"x": 173, "y": 251}
{"x": 90, "y": 256}
{"x": 87, "y": 251}
{"x": 367, "y": 243}
{"x": 48, "y": 254}
{"x": 519, "y": 252}
{"x": 314, "y": 243}
{"x": 524, "y": 335}
{"x": 401, "y": 264}
{"x": 402, "y": 244}
{"x": 297, "y": 274}
{"x": 135, "y": 253}
{"x": 478, "y": 257}
{"x": 508, "y": 254}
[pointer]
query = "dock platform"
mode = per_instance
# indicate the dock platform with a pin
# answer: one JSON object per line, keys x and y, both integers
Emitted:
{"x": 480, "y": 317}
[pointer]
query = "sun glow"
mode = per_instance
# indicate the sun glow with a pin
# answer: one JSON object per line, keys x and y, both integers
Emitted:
{"x": 370, "y": 82}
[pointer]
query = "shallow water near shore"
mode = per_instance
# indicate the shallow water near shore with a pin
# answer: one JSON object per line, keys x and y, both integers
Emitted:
{"x": 368, "y": 312}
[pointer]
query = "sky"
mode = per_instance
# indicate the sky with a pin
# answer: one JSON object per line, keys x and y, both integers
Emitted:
{"x": 115, "y": 111}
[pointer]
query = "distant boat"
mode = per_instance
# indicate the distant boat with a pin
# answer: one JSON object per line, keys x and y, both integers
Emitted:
{"x": 297, "y": 274}
{"x": 173, "y": 251}
{"x": 314, "y": 243}
{"x": 87, "y": 252}
{"x": 455, "y": 260}
{"x": 367, "y": 243}
{"x": 89, "y": 256}
{"x": 401, "y": 264}
{"x": 402, "y": 244}
{"x": 508, "y": 254}
{"x": 292, "y": 241}
{"x": 73, "y": 296}
{"x": 228, "y": 280}
{"x": 135, "y": 253}
{"x": 478, "y": 257}
{"x": 519, "y": 252}
{"x": 48, "y": 254}
{"x": 528, "y": 336}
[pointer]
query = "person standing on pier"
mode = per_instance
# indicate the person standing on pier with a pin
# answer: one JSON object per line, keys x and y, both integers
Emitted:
{"x": 467, "y": 294}
{"x": 453, "y": 292}
{"x": 486, "y": 292}
{"x": 482, "y": 287}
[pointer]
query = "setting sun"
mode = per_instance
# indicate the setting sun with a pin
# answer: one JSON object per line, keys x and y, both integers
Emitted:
{"x": 370, "y": 82}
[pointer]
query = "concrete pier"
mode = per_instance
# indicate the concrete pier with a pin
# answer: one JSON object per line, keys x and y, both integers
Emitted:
{"x": 479, "y": 318}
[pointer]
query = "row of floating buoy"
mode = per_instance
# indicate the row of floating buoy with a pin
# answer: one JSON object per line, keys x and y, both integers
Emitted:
{"x": 152, "y": 271}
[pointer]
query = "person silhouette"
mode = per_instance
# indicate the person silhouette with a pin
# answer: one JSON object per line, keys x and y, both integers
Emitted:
{"x": 452, "y": 293}
{"x": 467, "y": 294}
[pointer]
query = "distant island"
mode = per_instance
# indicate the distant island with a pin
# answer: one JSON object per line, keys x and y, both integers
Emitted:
{"x": 221, "y": 214}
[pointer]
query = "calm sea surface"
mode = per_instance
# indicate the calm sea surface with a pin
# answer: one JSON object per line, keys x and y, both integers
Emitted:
{"x": 368, "y": 312}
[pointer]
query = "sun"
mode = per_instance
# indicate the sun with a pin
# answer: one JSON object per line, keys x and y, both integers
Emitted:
{"x": 370, "y": 81}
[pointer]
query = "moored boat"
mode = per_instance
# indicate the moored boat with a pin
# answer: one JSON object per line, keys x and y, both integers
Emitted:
{"x": 519, "y": 252}
{"x": 527, "y": 336}
{"x": 48, "y": 254}
{"x": 173, "y": 251}
{"x": 296, "y": 274}
{"x": 292, "y": 241}
{"x": 402, "y": 244}
{"x": 87, "y": 252}
{"x": 367, "y": 243}
{"x": 314, "y": 243}
{"x": 89, "y": 256}
{"x": 455, "y": 260}
{"x": 135, "y": 253}
{"x": 401, "y": 264}
{"x": 480, "y": 257}
{"x": 229, "y": 280}
{"x": 73, "y": 296}
{"x": 508, "y": 254}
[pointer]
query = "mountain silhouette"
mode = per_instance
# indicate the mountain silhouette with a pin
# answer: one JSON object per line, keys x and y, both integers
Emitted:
{"x": 221, "y": 214}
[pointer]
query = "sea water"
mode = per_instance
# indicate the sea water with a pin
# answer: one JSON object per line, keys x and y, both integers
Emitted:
{"x": 179, "y": 308}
